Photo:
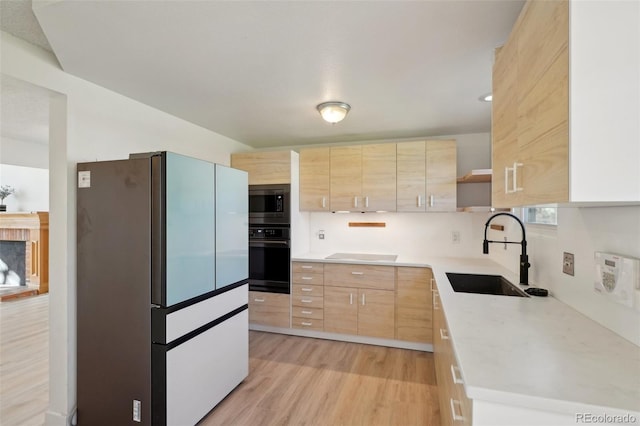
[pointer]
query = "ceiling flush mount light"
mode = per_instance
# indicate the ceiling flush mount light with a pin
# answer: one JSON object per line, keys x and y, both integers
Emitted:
{"x": 333, "y": 112}
{"x": 486, "y": 98}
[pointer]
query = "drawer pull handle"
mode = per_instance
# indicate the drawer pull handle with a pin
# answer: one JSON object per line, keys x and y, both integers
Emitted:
{"x": 307, "y": 278}
{"x": 307, "y": 312}
{"x": 454, "y": 415}
{"x": 306, "y": 323}
{"x": 307, "y": 267}
{"x": 351, "y": 298}
{"x": 357, "y": 273}
{"x": 306, "y": 300}
{"x": 258, "y": 300}
{"x": 444, "y": 334}
{"x": 455, "y": 373}
{"x": 431, "y": 200}
{"x": 363, "y": 301}
{"x": 419, "y": 200}
{"x": 324, "y": 202}
{"x": 366, "y": 201}
{"x": 306, "y": 289}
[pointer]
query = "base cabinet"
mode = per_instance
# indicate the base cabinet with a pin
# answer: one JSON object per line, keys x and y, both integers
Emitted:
{"x": 363, "y": 312}
{"x": 413, "y": 305}
{"x": 455, "y": 407}
{"x": 270, "y": 309}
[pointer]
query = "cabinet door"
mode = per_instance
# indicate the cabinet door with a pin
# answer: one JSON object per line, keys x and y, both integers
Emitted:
{"x": 346, "y": 178}
{"x": 264, "y": 168}
{"x": 379, "y": 177}
{"x": 271, "y": 309}
{"x": 411, "y": 176}
{"x": 505, "y": 125}
{"x": 441, "y": 176}
{"x": 376, "y": 313}
{"x": 543, "y": 103}
{"x": 413, "y": 305}
{"x": 315, "y": 179}
{"x": 341, "y": 310}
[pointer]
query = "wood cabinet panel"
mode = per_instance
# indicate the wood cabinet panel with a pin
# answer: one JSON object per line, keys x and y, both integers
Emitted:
{"x": 346, "y": 178}
{"x": 264, "y": 168}
{"x": 359, "y": 276}
{"x": 413, "y": 305}
{"x": 315, "y": 179}
{"x": 308, "y": 278}
{"x": 341, "y": 310}
{"x": 411, "y": 176}
{"x": 308, "y": 324}
{"x": 310, "y": 267}
{"x": 307, "y": 301}
{"x": 376, "y": 313}
{"x": 379, "y": 177}
{"x": 269, "y": 309}
{"x": 307, "y": 312}
{"x": 441, "y": 176}
{"x": 307, "y": 290}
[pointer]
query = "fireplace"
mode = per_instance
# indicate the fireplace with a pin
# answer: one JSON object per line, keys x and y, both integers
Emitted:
{"x": 13, "y": 256}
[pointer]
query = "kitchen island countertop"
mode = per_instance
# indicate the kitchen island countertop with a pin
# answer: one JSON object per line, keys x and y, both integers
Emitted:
{"x": 536, "y": 353}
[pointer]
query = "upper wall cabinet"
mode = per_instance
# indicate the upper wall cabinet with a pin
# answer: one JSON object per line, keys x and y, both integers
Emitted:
{"x": 315, "y": 179}
{"x": 565, "y": 105}
{"x": 363, "y": 178}
{"x": 264, "y": 167}
{"x": 426, "y": 176}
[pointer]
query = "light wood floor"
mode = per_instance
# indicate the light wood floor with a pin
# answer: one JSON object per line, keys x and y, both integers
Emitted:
{"x": 24, "y": 361}
{"x": 292, "y": 380}
{"x": 303, "y": 381}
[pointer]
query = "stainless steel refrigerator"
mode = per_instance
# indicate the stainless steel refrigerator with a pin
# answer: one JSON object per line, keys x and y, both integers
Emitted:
{"x": 162, "y": 293}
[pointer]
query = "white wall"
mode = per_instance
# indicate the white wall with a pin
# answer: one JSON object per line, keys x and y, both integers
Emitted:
{"x": 24, "y": 153}
{"x": 90, "y": 123}
{"x": 31, "y": 185}
{"x": 581, "y": 231}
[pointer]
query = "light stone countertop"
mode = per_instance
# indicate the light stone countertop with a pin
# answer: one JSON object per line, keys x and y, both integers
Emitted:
{"x": 534, "y": 352}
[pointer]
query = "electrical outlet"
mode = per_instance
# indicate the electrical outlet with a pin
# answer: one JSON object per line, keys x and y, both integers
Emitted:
{"x": 455, "y": 237}
{"x": 567, "y": 263}
{"x": 321, "y": 235}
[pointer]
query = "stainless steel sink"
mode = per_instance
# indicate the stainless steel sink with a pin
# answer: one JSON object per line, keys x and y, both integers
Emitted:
{"x": 484, "y": 284}
{"x": 366, "y": 257}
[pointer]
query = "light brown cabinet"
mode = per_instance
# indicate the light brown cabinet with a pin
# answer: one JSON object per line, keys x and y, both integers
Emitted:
{"x": 455, "y": 407}
{"x": 307, "y": 298}
{"x": 315, "y": 179}
{"x": 414, "y": 305}
{"x": 270, "y": 309}
{"x": 363, "y": 178}
{"x": 265, "y": 167}
{"x": 531, "y": 109}
{"x": 359, "y": 300}
{"x": 426, "y": 176}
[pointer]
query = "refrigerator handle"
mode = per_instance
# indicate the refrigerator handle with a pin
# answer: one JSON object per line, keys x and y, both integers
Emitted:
{"x": 158, "y": 238}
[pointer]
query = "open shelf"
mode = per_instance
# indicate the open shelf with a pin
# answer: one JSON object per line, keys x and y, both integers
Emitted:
{"x": 476, "y": 176}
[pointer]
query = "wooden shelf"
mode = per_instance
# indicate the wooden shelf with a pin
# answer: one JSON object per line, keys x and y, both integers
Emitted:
{"x": 476, "y": 176}
{"x": 480, "y": 209}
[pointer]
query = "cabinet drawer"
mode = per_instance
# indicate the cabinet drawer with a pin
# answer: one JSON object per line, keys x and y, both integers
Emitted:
{"x": 308, "y": 267}
{"x": 269, "y": 309}
{"x": 308, "y": 290}
{"x": 361, "y": 276}
{"x": 310, "y": 324}
{"x": 307, "y": 301}
{"x": 308, "y": 278}
{"x": 307, "y": 312}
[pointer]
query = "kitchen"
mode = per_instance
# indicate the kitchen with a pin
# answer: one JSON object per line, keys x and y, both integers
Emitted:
{"x": 581, "y": 231}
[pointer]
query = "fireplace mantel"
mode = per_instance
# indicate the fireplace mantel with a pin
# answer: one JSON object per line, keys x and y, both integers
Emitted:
{"x": 34, "y": 229}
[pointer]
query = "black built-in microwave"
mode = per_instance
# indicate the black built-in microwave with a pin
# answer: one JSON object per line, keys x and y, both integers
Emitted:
{"x": 269, "y": 204}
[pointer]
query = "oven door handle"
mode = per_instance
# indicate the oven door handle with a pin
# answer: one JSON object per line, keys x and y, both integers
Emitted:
{"x": 267, "y": 243}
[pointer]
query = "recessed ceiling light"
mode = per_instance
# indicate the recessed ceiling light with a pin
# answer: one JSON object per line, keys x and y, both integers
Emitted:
{"x": 486, "y": 98}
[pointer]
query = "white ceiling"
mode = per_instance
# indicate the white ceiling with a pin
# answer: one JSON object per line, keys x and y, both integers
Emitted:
{"x": 254, "y": 71}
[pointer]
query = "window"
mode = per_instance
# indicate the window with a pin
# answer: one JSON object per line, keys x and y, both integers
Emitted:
{"x": 540, "y": 215}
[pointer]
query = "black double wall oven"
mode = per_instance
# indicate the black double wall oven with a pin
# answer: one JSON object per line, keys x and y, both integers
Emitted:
{"x": 269, "y": 238}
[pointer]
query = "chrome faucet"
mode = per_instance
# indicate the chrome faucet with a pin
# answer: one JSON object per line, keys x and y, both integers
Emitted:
{"x": 524, "y": 259}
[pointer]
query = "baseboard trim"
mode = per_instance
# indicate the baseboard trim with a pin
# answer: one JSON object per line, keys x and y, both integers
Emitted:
{"x": 401, "y": 344}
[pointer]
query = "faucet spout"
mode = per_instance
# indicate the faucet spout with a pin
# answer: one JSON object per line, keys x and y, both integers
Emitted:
{"x": 524, "y": 259}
